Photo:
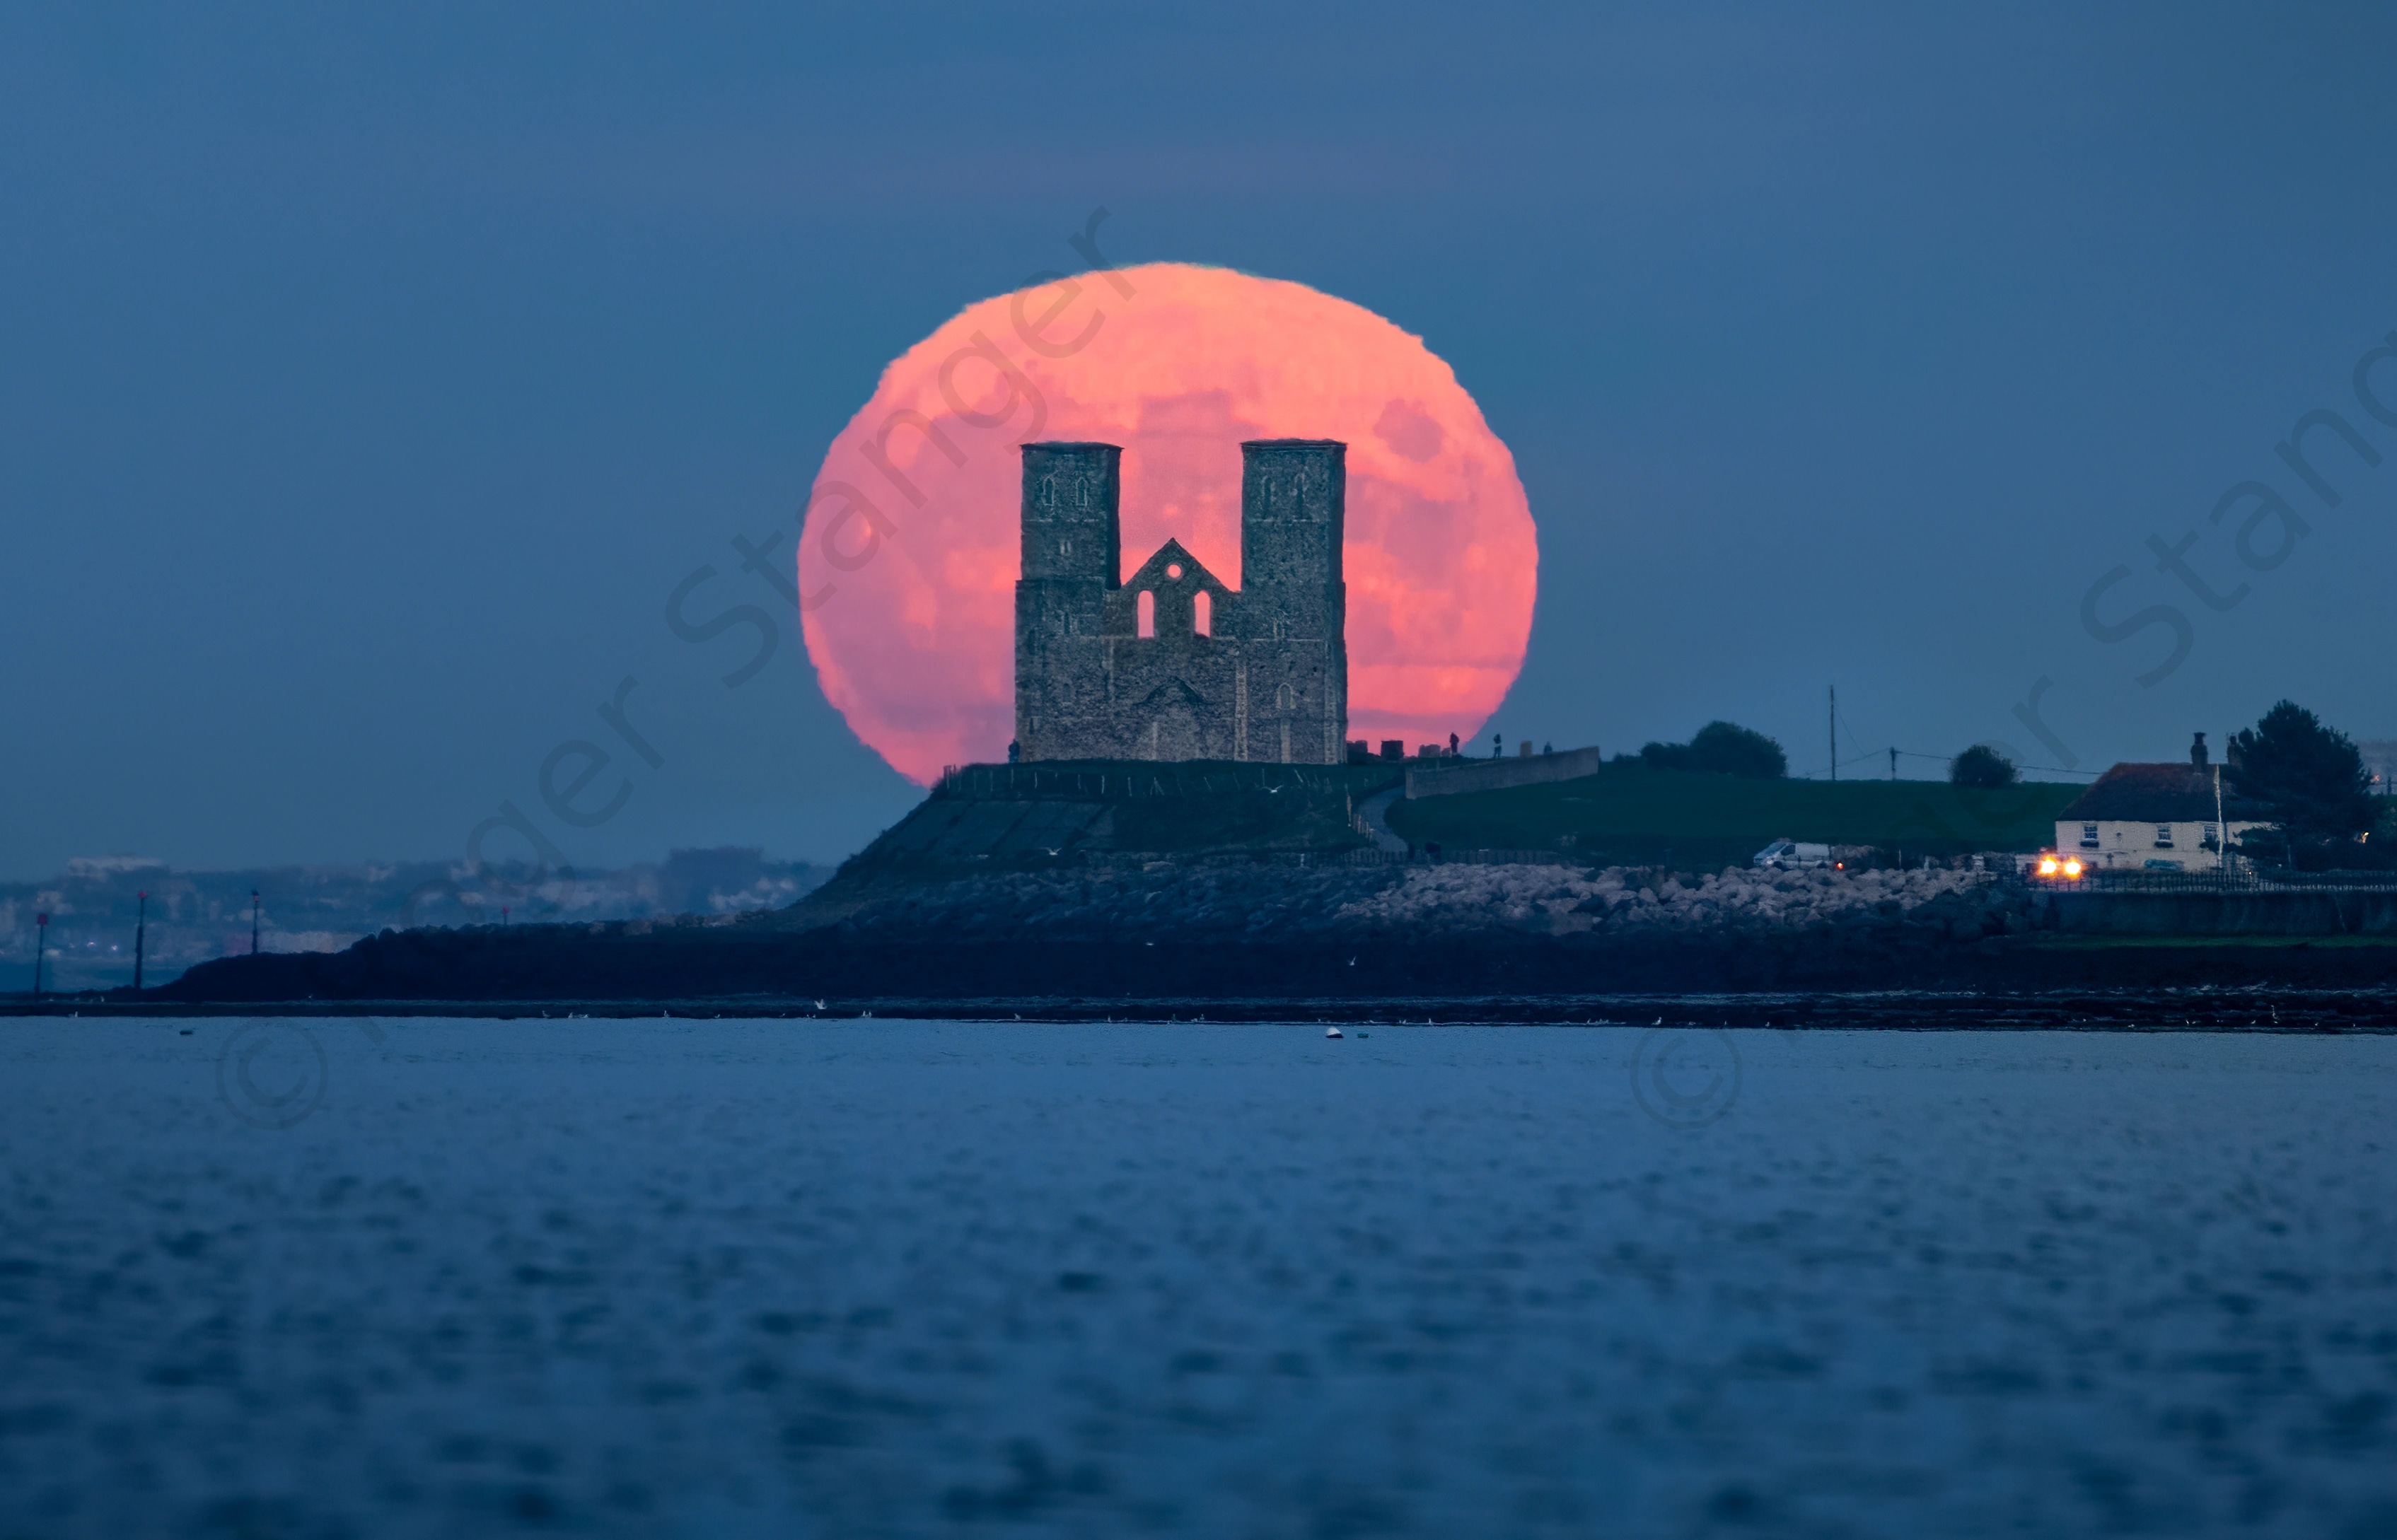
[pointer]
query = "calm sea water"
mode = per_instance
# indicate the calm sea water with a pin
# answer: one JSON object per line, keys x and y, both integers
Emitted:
{"x": 898, "y": 1278}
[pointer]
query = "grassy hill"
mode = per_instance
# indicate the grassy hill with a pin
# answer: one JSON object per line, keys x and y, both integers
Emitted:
{"x": 1032, "y": 815}
{"x": 986, "y": 819}
{"x": 999, "y": 818}
{"x": 1633, "y": 815}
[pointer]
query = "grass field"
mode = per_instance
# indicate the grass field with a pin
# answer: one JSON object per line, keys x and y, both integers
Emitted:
{"x": 1031, "y": 815}
{"x": 1632, "y": 815}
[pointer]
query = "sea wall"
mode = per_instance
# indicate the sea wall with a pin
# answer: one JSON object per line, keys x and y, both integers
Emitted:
{"x": 1453, "y": 776}
{"x": 748, "y": 968}
{"x": 2323, "y": 913}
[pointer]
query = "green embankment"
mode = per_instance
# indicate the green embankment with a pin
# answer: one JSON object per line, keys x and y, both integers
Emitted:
{"x": 1631, "y": 815}
{"x": 1221, "y": 807}
{"x": 1032, "y": 815}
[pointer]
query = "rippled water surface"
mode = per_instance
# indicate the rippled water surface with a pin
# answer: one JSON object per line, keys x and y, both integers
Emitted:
{"x": 903, "y": 1278}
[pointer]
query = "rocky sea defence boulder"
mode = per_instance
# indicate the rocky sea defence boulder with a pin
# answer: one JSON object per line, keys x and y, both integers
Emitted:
{"x": 1257, "y": 901}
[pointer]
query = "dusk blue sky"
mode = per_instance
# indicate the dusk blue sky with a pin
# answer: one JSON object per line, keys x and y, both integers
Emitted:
{"x": 367, "y": 380}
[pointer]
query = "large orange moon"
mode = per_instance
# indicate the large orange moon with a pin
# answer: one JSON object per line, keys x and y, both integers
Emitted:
{"x": 908, "y": 551}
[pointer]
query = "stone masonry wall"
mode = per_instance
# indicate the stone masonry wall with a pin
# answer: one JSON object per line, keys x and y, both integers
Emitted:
{"x": 1266, "y": 678}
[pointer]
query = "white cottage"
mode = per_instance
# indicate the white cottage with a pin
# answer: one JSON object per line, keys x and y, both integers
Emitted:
{"x": 2166, "y": 817}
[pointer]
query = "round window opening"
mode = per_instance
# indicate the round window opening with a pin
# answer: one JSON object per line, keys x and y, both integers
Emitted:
{"x": 1173, "y": 570}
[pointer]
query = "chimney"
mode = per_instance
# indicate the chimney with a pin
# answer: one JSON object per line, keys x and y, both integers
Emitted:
{"x": 2197, "y": 752}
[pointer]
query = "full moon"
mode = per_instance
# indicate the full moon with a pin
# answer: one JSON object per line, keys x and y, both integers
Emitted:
{"x": 908, "y": 554}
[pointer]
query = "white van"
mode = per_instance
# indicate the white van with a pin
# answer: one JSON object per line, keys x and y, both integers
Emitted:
{"x": 1791, "y": 854}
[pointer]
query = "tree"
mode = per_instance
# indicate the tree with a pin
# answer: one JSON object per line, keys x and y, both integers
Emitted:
{"x": 2311, "y": 777}
{"x": 1982, "y": 768}
{"x": 1721, "y": 748}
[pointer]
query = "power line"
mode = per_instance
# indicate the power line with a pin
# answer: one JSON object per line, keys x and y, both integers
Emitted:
{"x": 1864, "y": 753}
{"x": 1913, "y": 753}
{"x": 2057, "y": 769}
{"x": 1870, "y": 753}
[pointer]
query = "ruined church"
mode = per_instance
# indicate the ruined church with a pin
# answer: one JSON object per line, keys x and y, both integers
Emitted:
{"x": 1169, "y": 664}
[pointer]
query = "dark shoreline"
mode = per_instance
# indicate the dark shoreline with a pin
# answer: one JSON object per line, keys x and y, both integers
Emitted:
{"x": 2200, "y": 1010}
{"x": 699, "y": 961}
{"x": 1927, "y": 967}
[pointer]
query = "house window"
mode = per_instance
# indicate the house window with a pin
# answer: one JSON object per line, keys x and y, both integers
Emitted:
{"x": 2164, "y": 837}
{"x": 2088, "y": 836}
{"x": 1202, "y": 613}
{"x": 1145, "y": 606}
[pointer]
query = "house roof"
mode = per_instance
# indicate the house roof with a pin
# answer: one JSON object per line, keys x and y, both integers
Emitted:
{"x": 2159, "y": 793}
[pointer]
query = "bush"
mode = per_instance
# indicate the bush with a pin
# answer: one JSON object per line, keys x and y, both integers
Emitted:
{"x": 2377, "y": 850}
{"x": 1721, "y": 748}
{"x": 1982, "y": 768}
{"x": 2274, "y": 846}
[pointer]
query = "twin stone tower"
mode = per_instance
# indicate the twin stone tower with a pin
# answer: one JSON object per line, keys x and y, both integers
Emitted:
{"x": 1169, "y": 664}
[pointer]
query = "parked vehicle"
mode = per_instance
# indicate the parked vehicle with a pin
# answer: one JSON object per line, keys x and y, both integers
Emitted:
{"x": 1792, "y": 856}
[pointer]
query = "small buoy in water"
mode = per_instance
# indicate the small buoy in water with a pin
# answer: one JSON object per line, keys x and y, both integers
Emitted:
{"x": 186, "y": 1032}
{"x": 1331, "y": 1032}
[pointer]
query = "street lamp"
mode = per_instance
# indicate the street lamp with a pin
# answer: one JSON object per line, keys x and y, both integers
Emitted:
{"x": 253, "y": 922}
{"x": 41, "y": 942}
{"x": 141, "y": 925}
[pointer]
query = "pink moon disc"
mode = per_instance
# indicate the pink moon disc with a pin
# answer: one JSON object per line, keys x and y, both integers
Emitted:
{"x": 909, "y": 554}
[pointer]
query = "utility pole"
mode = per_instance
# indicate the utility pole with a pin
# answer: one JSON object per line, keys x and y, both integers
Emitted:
{"x": 141, "y": 924}
{"x": 1835, "y": 731}
{"x": 1892, "y": 764}
{"x": 253, "y": 922}
{"x": 2221, "y": 829}
{"x": 41, "y": 941}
